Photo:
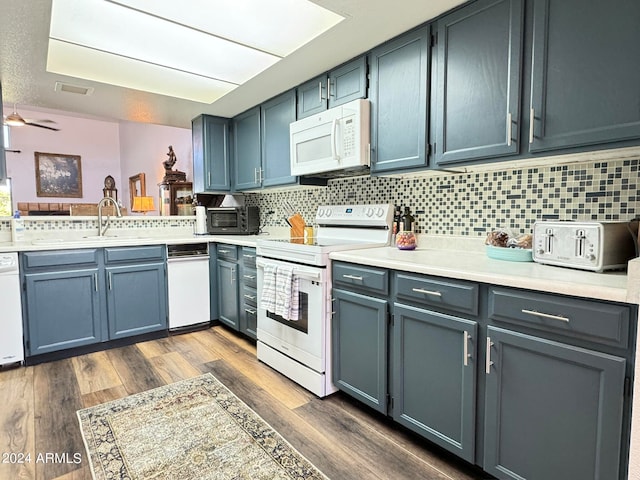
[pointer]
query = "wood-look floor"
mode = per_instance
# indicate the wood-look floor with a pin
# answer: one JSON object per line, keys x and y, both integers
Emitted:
{"x": 342, "y": 438}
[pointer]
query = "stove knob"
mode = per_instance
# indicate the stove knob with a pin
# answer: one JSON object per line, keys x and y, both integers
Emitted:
{"x": 379, "y": 212}
{"x": 328, "y": 212}
{"x": 320, "y": 212}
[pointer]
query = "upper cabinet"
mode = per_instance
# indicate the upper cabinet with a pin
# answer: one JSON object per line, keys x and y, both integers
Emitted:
{"x": 398, "y": 96}
{"x": 341, "y": 85}
{"x": 585, "y": 83}
{"x": 276, "y": 115}
{"x": 211, "y": 168}
{"x": 479, "y": 59}
{"x": 247, "y": 150}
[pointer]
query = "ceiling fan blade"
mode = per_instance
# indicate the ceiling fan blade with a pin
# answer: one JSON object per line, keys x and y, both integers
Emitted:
{"x": 41, "y": 126}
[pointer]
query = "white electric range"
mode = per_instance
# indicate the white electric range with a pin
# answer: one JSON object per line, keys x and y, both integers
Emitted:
{"x": 301, "y": 349}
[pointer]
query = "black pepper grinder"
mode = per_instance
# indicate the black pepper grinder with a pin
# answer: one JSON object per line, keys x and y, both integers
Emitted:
{"x": 407, "y": 223}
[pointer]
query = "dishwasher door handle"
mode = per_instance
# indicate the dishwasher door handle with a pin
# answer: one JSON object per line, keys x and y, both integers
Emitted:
{"x": 192, "y": 258}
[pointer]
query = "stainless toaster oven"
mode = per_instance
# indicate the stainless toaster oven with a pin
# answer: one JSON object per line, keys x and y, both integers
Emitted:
{"x": 233, "y": 220}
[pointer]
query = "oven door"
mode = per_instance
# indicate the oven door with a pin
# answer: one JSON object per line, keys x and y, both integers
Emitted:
{"x": 303, "y": 340}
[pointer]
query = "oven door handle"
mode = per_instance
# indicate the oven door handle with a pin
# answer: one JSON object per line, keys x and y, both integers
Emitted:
{"x": 297, "y": 271}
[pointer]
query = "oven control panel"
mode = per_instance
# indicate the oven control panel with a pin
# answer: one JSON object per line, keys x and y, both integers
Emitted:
{"x": 379, "y": 214}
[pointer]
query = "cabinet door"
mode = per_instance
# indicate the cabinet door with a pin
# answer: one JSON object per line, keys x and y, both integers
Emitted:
{"x": 312, "y": 97}
{"x": 211, "y": 157}
{"x": 246, "y": 150}
{"x": 136, "y": 299}
{"x": 348, "y": 82}
{"x": 228, "y": 309}
{"x": 434, "y": 379}
{"x": 277, "y": 114}
{"x": 584, "y": 82}
{"x": 53, "y": 324}
{"x": 398, "y": 95}
{"x": 553, "y": 411}
{"x": 359, "y": 347}
{"x": 478, "y": 81}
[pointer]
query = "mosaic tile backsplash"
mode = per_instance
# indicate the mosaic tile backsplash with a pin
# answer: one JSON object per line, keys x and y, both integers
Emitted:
{"x": 473, "y": 204}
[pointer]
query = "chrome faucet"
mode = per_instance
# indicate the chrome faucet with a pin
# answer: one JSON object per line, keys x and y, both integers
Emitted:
{"x": 102, "y": 203}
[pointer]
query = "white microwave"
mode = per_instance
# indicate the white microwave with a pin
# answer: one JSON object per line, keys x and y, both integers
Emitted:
{"x": 334, "y": 140}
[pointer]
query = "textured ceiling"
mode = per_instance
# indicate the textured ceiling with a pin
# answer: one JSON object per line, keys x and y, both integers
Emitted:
{"x": 24, "y": 31}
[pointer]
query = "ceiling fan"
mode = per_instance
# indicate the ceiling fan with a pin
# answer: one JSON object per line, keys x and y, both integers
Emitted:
{"x": 16, "y": 120}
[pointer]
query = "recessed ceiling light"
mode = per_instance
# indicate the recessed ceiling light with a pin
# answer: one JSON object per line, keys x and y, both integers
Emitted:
{"x": 199, "y": 53}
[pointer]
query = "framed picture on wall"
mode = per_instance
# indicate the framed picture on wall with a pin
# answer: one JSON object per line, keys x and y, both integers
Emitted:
{"x": 58, "y": 175}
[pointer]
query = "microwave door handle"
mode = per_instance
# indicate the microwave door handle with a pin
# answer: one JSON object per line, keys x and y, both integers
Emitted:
{"x": 334, "y": 134}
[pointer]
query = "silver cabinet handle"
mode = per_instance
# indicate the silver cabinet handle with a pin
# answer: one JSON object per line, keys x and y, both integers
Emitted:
{"x": 352, "y": 277}
{"x": 546, "y": 315}
{"x": 250, "y": 311}
{"x": 109, "y": 277}
{"x": 329, "y": 88}
{"x": 250, "y": 277}
{"x": 250, "y": 297}
{"x": 320, "y": 91}
{"x": 532, "y": 116}
{"x": 465, "y": 348}
{"x": 488, "y": 362}
{"x": 248, "y": 255}
{"x": 509, "y": 119}
{"x": 95, "y": 281}
{"x": 427, "y": 292}
{"x": 224, "y": 251}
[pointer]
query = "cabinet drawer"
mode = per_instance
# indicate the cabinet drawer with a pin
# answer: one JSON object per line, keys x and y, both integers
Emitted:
{"x": 227, "y": 252}
{"x": 134, "y": 254}
{"x": 369, "y": 278}
{"x": 249, "y": 256}
{"x": 572, "y": 317}
{"x": 249, "y": 276}
{"x": 56, "y": 258}
{"x": 249, "y": 296}
{"x": 456, "y": 295}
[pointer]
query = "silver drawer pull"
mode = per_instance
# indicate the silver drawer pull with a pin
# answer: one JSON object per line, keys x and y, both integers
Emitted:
{"x": 250, "y": 311}
{"x": 250, "y": 277}
{"x": 250, "y": 297}
{"x": 427, "y": 292}
{"x": 224, "y": 251}
{"x": 352, "y": 277}
{"x": 546, "y": 315}
{"x": 246, "y": 255}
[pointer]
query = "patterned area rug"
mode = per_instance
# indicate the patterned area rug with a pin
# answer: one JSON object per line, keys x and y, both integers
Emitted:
{"x": 195, "y": 429}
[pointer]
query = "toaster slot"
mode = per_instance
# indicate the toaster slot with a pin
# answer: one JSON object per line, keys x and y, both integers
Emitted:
{"x": 548, "y": 240}
{"x": 581, "y": 243}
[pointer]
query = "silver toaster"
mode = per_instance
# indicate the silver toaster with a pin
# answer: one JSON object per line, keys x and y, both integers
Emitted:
{"x": 595, "y": 246}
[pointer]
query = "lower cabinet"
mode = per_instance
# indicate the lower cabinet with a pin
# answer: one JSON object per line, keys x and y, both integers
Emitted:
{"x": 434, "y": 377}
{"x": 359, "y": 344}
{"x": 80, "y": 297}
{"x": 63, "y": 309}
{"x": 526, "y": 385}
{"x": 553, "y": 411}
{"x": 228, "y": 311}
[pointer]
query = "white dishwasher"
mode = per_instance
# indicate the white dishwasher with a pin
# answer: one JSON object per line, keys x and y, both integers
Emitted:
{"x": 11, "y": 343}
{"x": 188, "y": 285}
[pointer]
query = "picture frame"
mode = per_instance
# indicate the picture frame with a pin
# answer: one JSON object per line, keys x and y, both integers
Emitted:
{"x": 137, "y": 187}
{"x": 58, "y": 175}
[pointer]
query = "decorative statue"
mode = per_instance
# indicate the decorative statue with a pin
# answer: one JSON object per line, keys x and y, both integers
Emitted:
{"x": 171, "y": 175}
{"x": 171, "y": 161}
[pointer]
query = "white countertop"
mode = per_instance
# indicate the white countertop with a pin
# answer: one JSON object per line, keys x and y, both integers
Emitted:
{"x": 476, "y": 266}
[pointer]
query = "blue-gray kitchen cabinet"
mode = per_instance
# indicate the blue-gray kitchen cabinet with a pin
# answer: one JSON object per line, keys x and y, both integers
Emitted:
{"x": 136, "y": 299}
{"x": 434, "y": 377}
{"x": 63, "y": 309}
{"x": 276, "y": 115}
{"x": 584, "y": 81}
{"x": 211, "y": 154}
{"x": 228, "y": 285}
{"x": 247, "y": 160}
{"x": 399, "y": 91}
{"x": 359, "y": 345}
{"x": 479, "y": 64}
{"x": 341, "y": 85}
{"x": 553, "y": 411}
{"x": 248, "y": 293}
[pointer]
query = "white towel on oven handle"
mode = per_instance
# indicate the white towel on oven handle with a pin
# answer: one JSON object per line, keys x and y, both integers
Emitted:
{"x": 287, "y": 294}
{"x": 268, "y": 295}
